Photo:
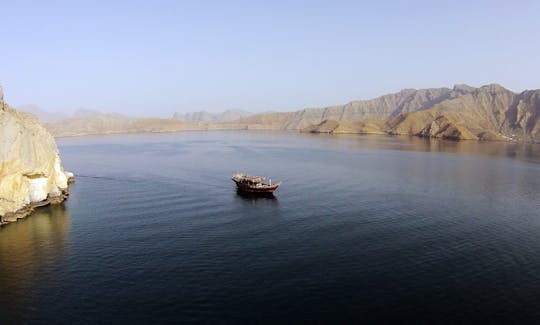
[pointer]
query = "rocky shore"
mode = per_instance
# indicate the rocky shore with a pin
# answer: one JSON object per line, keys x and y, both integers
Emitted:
{"x": 31, "y": 174}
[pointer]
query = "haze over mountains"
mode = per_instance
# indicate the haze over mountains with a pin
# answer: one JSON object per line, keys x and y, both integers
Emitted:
{"x": 91, "y": 122}
{"x": 43, "y": 115}
{"x": 207, "y": 117}
{"x": 490, "y": 112}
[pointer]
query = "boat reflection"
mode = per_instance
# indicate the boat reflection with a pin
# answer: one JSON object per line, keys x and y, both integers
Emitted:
{"x": 256, "y": 198}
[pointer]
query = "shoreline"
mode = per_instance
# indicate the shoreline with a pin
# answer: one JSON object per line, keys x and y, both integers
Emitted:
{"x": 292, "y": 132}
{"x": 170, "y": 132}
{"x": 24, "y": 212}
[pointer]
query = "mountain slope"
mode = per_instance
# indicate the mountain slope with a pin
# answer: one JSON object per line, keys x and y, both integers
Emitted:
{"x": 487, "y": 113}
{"x": 380, "y": 108}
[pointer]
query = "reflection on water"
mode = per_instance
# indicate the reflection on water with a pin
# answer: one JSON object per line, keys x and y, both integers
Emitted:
{"x": 272, "y": 140}
{"x": 27, "y": 248}
{"x": 522, "y": 151}
{"x": 499, "y": 149}
{"x": 256, "y": 198}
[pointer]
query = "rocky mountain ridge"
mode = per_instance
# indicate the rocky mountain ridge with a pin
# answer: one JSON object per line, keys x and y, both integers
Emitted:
{"x": 490, "y": 112}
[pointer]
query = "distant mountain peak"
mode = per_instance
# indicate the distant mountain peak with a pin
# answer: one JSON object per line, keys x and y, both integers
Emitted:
{"x": 407, "y": 91}
{"x": 463, "y": 88}
{"x": 494, "y": 88}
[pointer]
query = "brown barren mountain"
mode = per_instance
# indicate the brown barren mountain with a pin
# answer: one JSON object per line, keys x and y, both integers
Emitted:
{"x": 405, "y": 101}
{"x": 487, "y": 113}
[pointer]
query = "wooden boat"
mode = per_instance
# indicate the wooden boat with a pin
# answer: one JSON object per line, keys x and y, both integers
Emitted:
{"x": 254, "y": 184}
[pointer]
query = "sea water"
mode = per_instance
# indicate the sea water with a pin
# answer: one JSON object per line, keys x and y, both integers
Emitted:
{"x": 363, "y": 229}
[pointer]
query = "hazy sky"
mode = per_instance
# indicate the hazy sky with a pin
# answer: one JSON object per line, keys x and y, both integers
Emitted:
{"x": 151, "y": 58}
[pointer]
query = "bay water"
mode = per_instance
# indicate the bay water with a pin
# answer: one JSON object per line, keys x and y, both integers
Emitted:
{"x": 363, "y": 229}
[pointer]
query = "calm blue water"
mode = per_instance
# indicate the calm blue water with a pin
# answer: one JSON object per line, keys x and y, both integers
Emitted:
{"x": 363, "y": 229}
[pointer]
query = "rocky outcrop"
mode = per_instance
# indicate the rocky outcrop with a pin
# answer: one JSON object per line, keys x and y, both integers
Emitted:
{"x": 434, "y": 124}
{"x": 326, "y": 126}
{"x": 357, "y": 127}
{"x": 31, "y": 173}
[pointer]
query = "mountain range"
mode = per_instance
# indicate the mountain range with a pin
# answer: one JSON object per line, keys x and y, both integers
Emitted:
{"x": 490, "y": 112}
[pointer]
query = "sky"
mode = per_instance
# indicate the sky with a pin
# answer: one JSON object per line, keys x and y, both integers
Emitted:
{"x": 153, "y": 58}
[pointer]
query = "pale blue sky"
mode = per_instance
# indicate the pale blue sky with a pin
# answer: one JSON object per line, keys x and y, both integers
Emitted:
{"x": 151, "y": 58}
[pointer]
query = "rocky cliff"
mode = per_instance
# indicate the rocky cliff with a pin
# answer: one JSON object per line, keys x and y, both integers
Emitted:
{"x": 30, "y": 169}
{"x": 487, "y": 113}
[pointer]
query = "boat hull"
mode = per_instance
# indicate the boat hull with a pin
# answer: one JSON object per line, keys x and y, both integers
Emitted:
{"x": 256, "y": 189}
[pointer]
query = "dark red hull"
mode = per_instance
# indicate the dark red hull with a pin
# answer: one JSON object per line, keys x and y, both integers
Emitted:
{"x": 256, "y": 189}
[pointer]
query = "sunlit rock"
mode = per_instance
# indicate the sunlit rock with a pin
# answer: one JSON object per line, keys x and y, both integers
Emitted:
{"x": 30, "y": 166}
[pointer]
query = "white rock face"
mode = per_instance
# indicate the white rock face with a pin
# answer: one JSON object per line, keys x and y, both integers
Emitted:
{"x": 37, "y": 190}
{"x": 60, "y": 175}
{"x": 30, "y": 166}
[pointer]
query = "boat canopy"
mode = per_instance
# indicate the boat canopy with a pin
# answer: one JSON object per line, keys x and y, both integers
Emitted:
{"x": 249, "y": 178}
